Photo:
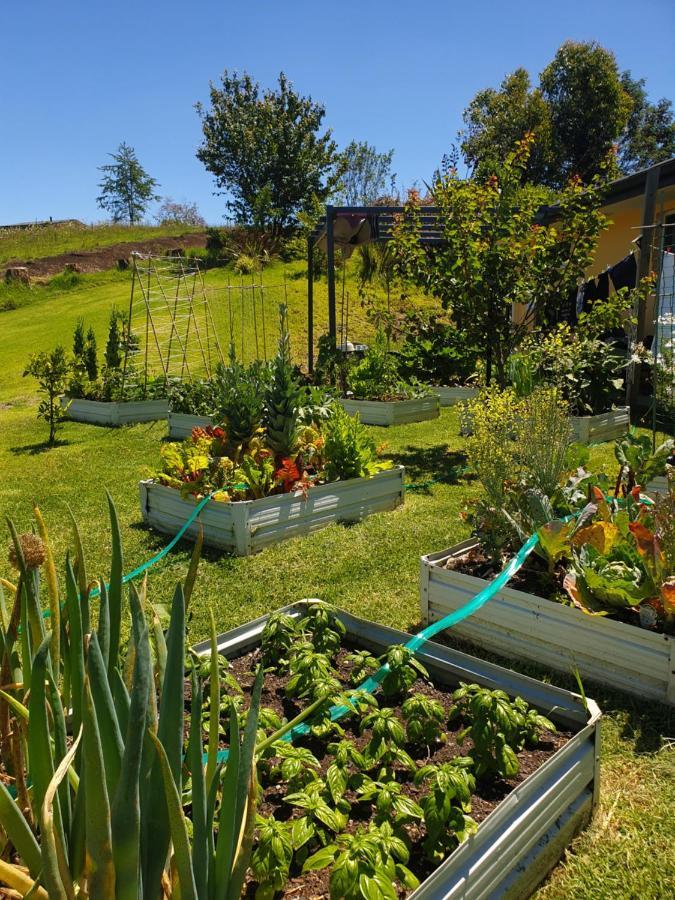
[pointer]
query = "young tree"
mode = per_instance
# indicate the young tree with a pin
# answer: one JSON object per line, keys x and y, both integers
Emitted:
{"x": 51, "y": 371}
{"x": 173, "y": 213}
{"x": 266, "y": 150}
{"x": 367, "y": 175}
{"x": 78, "y": 340}
{"x": 126, "y": 189}
{"x": 113, "y": 347}
{"x": 649, "y": 136}
{"x": 90, "y": 357}
{"x": 495, "y": 253}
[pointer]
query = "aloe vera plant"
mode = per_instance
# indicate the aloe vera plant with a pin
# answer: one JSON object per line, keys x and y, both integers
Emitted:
{"x": 98, "y": 809}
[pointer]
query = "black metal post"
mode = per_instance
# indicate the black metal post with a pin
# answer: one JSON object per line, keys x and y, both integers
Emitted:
{"x": 310, "y": 305}
{"x": 330, "y": 253}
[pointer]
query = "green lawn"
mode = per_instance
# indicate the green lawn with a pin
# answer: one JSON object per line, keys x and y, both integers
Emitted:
{"x": 370, "y": 569}
{"x": 40, "y": 241}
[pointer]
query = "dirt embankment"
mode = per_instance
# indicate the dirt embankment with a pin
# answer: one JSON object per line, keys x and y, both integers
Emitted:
{"x": 106, "y": 257}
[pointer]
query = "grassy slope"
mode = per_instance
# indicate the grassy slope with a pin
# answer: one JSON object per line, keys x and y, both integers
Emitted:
{"x": 35, "y": 243}
{"x": 371, "y": 569}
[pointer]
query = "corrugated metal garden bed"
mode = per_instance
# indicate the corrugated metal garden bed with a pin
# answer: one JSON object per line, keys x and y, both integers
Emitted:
{"x": 529, "y": 820}
{"x": 524, "y": 626}
{"x": 247, "y": 526}
{"x": 394, "y": 412}
{"x": 114, "y": 413}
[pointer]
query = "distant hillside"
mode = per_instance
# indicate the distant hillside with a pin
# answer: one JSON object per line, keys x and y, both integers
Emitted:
{"x": 22, "y": 244}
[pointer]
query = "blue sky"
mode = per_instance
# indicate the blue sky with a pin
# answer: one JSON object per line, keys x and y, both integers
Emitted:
{"x": 80, "y": 76}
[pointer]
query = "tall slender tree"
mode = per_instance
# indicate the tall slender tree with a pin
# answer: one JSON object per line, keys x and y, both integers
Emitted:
{"x": 126, "y": 188}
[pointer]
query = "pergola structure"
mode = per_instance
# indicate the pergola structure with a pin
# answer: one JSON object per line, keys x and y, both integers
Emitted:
{"x": 347, "y": 227}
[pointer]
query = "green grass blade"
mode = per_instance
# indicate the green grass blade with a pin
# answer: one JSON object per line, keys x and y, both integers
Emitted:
{"x": 60, "y": 746}
{"x": 19, "y": 833}
{"x": 121, "y": 700}
{"x": 103, "y": 629}
{"x": 246, "y": 791}
{"x": 228, "y": 825}
{"x": 170, "y": 733}
{"x": 214, "y": 708}
{"x": 54, "y": 869}
{"x": 25, "y": 637}
{"x": 40, "y": 762}
{"x": 194, "y": 567}
{"x": 126, "y": 813}
{"x": 76, "y": 646}
{"x": 200, "y": 846}
{"x": 99, "y": 860}
{"x": 115, "y": 587}
{"x": 53, "y": 591}
{"x": 80, "y": 564}
{"x": 178, "y": 827}
{"x": 106, "y": 715}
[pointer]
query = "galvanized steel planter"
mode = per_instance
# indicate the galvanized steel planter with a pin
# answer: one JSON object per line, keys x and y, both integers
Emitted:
{"x": 525, "y": 626}
{"x": 247, "y": 526}
{"x": 658, "y": 485}
{"x": 604, "y": 427}
{"x": 450, "y": 396}
{"x": 181, "y": 425}
{"x": 114, "y": 413}
{"x": 394, "y": 412}
{"x": 523, "y": 838}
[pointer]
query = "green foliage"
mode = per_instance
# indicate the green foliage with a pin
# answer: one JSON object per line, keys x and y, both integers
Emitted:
{"x": 51, "y": 370}
{"x": 366, "y": 864}
{"x": 283, "y": 397}
{"x": 424, "y": 720}
{"x": 435, "y": 351}
{"x": 391, "y": 804}
{"x": 323, "y": 627}
{"x": 319, "y": 820}
{"x": 585, "y": 124}
{"x": 363, "y": 664}
{"x": 78, "y": 340}
{"x": 126, "y": 189}
{"x": 172, "y": 212}
{"x": 349, "y": 448}
{"x": 403, "y": 671}
{"x": 649, "y": 136}
{"x": 638, "y": 464}
{"x": 312, "y": 674}
{"x": 245, "y": 264}
{"x": 498, "y": 727}
{"x": 446, "y": 805}
{"x": 271, "y": 859}
{"x": 366, "y": 175}
{"x": 242, "y": 123}
{"x": 385, "y": 747}
{"x": 90, "y": 356}
{"x": 298, "y": 766}
{"x": 376, "y": 376}
{"x": 113, "y": 347}
{"x": 491, "y": 257}
{"x": 279, "y": 634}
{"x": 197, "y": 398}
{"x": 124, "y": 754}
{"x": 238, "y": 391}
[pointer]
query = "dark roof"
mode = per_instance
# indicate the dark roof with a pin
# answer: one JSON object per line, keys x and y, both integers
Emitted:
{"x": 623, "y": 188}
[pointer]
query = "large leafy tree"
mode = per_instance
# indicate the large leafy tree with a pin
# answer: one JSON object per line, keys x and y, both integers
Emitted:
{"x": 589, "y": 108}
{"x": 126, "y": 188}
{"x": 649, "y": 136}
{"x": 582, "y": 107}
{"x": 496, "y": 119}
{"x": 367, "y": 174}
{"x": 495, "y": 253}
{"x": 267, "y": 151}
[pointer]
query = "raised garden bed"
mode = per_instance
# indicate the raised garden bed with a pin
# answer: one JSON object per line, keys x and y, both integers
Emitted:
{"x": 394, "y": 412}
{"x": 606, "y": 426}
{"x": 524, "y": 626}
{"x": 181, "y": 425}
{"x": 114, "y": 413}
{"x": 524, "y": 822}
{"x": 450, "y": 396}
{"x": 247, "y": 526}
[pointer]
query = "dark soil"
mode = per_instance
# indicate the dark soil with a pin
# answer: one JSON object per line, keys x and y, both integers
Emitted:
{"x": 107, "y": 257}
{"x": 532, "y": 578}
{"x": 489, "y": 792}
